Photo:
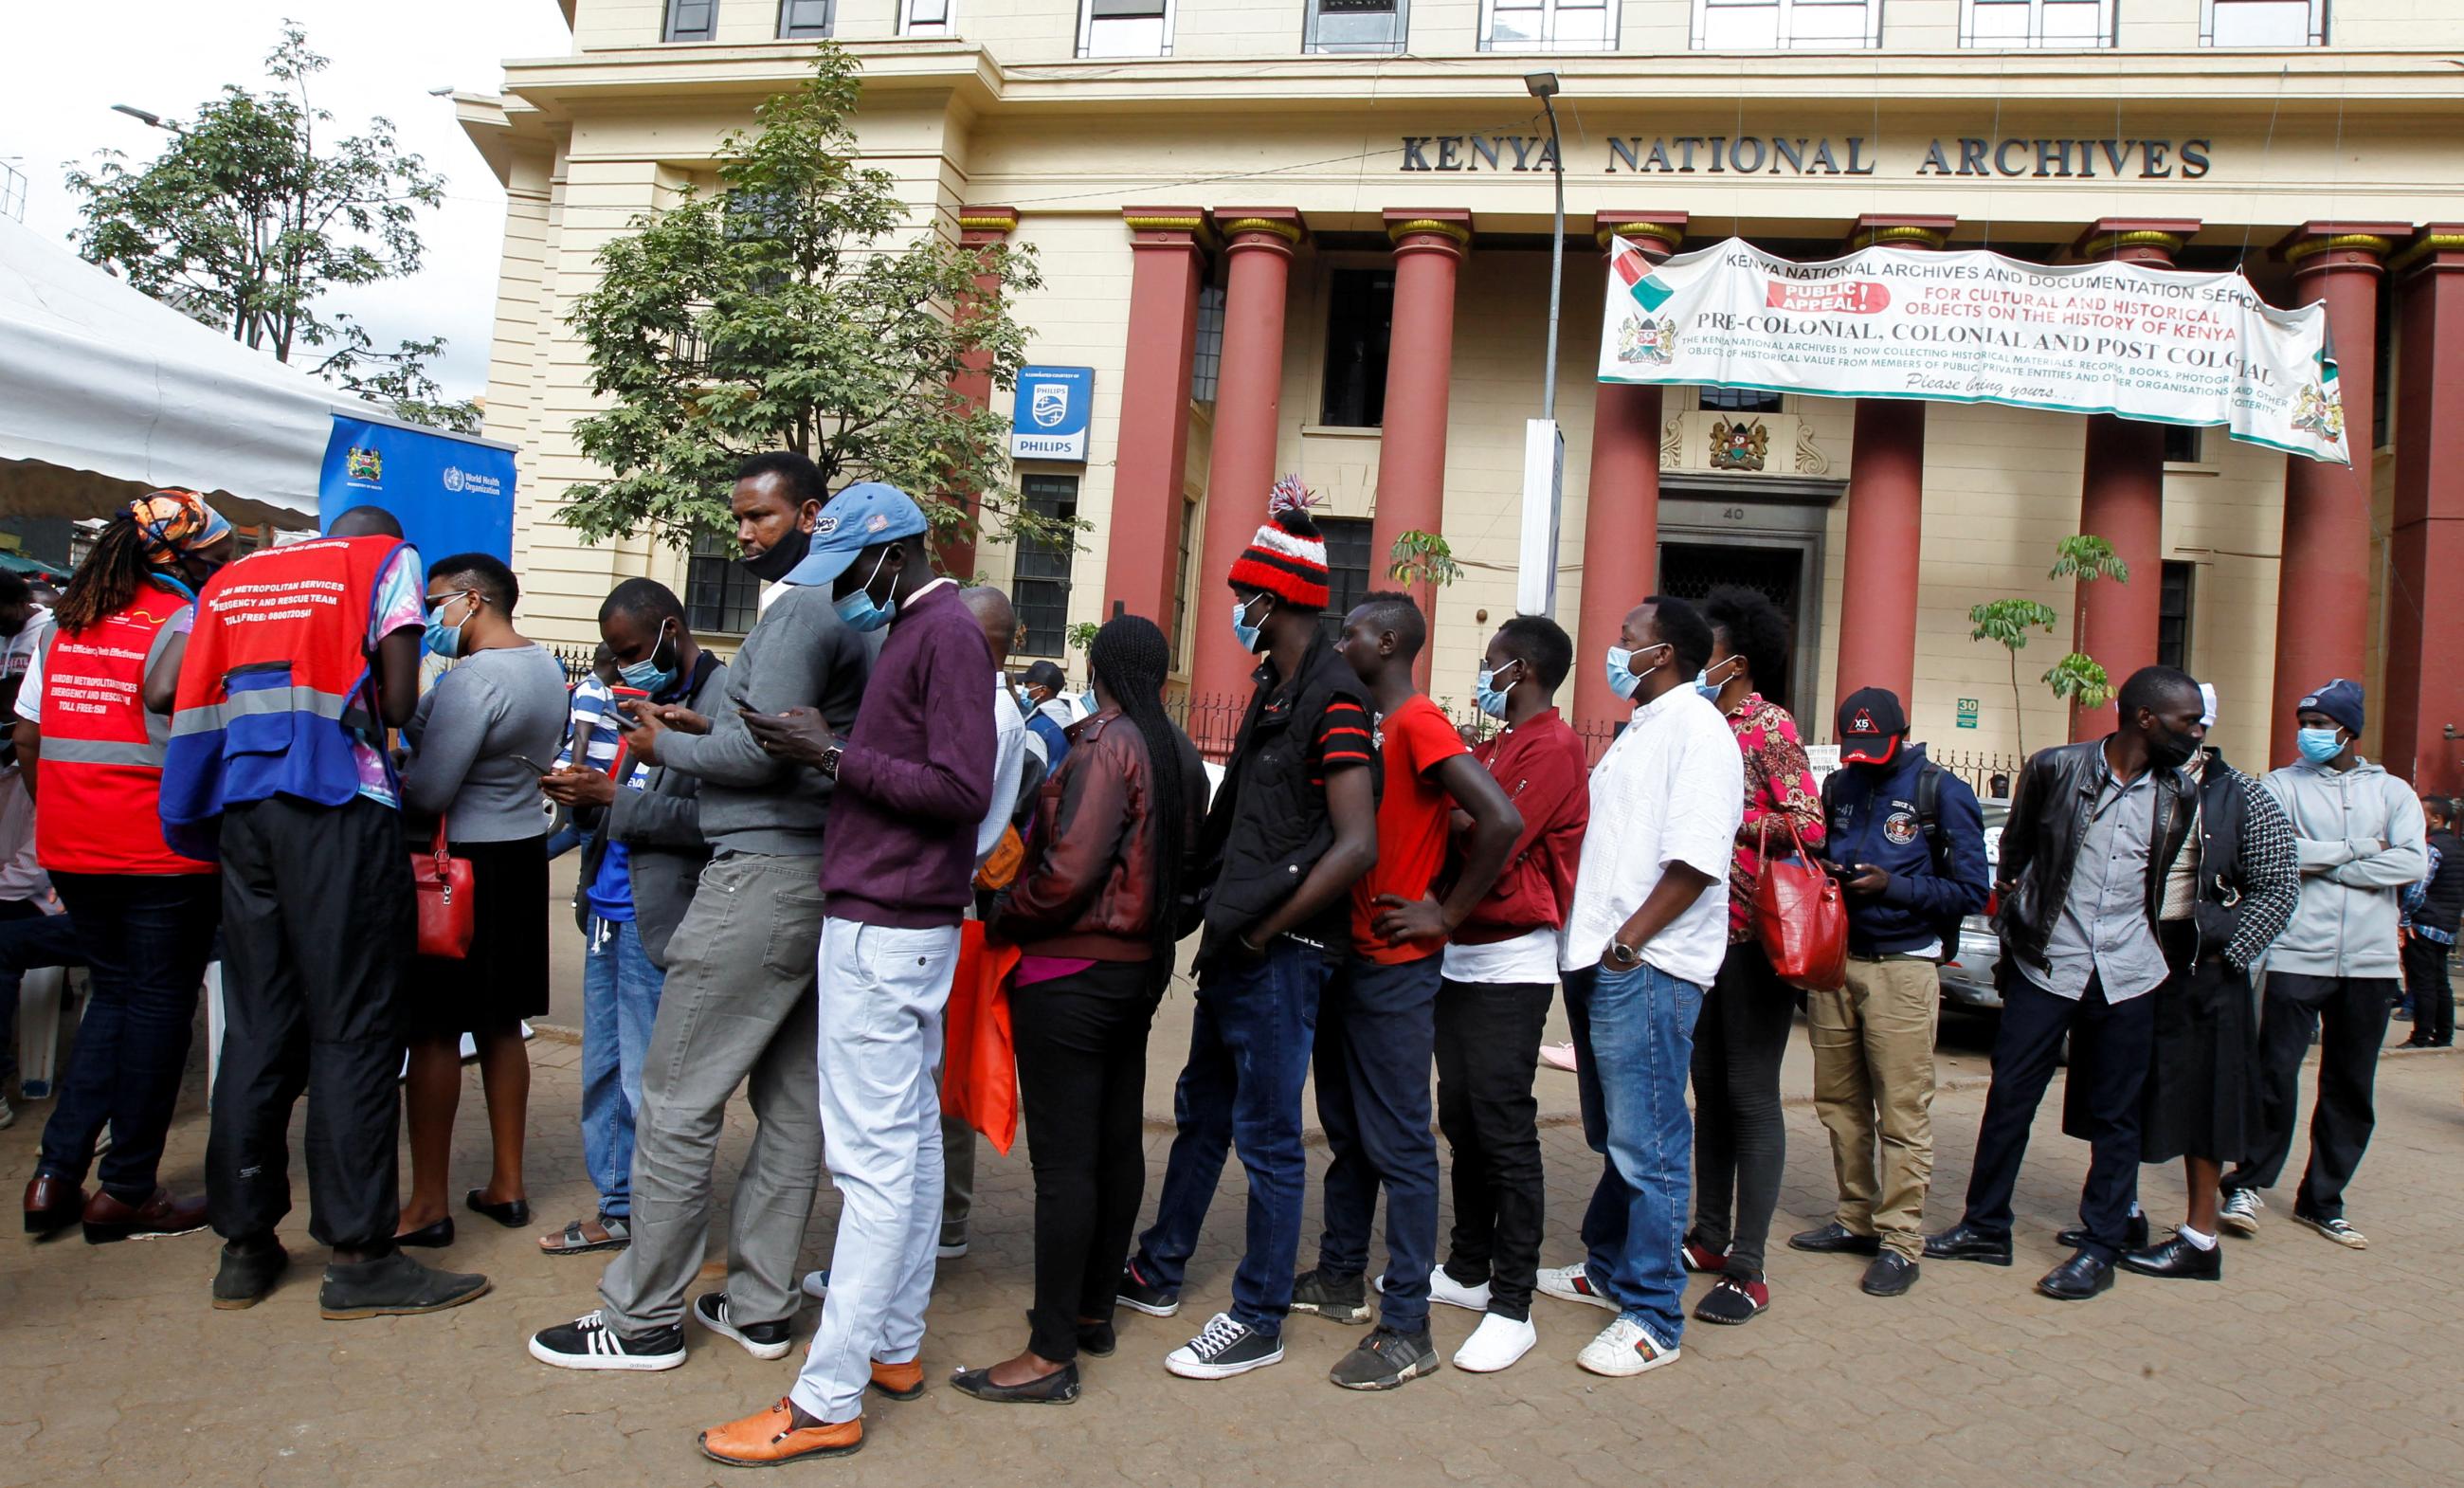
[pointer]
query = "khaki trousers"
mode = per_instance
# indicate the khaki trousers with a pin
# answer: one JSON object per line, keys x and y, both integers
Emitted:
{"x": 1873, "y": 1087}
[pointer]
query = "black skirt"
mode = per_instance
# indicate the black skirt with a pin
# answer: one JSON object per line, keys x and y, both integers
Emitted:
{"x": 2202, "y": 1095}
{"x": 504, "y": 978}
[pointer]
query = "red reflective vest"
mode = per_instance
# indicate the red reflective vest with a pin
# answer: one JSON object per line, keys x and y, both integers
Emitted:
{"x": 101, "y": 770}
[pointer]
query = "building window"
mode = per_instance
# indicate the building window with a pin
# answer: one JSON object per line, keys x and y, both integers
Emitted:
{"x": 1039, "y": 588}
{"x": 1786, "y": 25}
{"x": 1206, "y": 353}
{"x": 722, "y": 594}
{"x": 2182, "y": 444}
{"x": 1548, "y": 26}
{"x": 1739, "y": 399}
{"x": 2036, "y": 23}
{"x": 1355, "y": 25}
{"x": 1359, "y": 321}
{"x": 2173, "y": 617}
{"x": 2262, "y": 23}
{"x": 926, "y": 19}
{"x": 1124, "y": 27}
{"x": 804, "y": 19}
{"x": 1180, "y": 582}
{"x": 1347, "y": 569}
{"x": 690, "y": 20}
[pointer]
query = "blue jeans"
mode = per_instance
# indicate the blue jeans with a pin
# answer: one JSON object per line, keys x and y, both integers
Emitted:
{"x": 1248, "y": 1057}
{"x": 620, "y": 1001}
{"x": 29, "y": 940}
{"x": 1634, "y": 1037}
{"x": 1376, "y": 1038}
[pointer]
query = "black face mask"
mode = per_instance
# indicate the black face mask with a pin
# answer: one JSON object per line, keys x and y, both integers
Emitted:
{"x": 772, "y": 566}
{"x": 2170, "y": 750}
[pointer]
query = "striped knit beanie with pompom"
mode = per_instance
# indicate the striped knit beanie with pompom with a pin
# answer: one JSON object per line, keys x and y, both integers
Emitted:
{"x": 1288, "y": 558}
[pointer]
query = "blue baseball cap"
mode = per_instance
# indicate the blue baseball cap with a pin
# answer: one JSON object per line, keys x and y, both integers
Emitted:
{"x": 862, "y": 516}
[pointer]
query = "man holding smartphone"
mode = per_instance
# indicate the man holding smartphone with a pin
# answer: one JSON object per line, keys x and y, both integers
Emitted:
{"x": 1907, "y": 845}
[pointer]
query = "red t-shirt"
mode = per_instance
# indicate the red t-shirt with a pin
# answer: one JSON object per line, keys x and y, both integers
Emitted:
{"x": 1414, "y": 740}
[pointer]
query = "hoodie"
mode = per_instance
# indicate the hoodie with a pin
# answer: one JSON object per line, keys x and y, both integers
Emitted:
{"x": 2359, "y": 837}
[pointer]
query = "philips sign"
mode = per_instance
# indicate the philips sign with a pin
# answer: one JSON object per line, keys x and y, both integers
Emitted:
{"x": 1049, "y": 418}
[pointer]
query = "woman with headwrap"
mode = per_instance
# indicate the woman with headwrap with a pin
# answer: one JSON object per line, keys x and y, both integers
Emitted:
{"x": 92, "y": 723}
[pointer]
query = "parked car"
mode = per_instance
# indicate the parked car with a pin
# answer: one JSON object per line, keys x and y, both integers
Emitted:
{"x": 1967, "y": 981}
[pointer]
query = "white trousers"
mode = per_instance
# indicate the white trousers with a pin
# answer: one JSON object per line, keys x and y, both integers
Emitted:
{"x": 882, "y": 992}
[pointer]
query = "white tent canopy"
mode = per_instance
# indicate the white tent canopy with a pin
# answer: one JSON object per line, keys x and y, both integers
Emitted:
{"x": 105, "y": 393}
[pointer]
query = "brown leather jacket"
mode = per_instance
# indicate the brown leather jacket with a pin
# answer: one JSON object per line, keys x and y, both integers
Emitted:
{"x": 1087, "y": 888}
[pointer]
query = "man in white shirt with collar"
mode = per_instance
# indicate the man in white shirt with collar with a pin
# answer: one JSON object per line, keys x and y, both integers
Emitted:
{"x": 1645, "y": 936}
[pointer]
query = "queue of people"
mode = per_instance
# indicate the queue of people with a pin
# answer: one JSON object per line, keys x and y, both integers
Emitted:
{"x": 781, "y": 853}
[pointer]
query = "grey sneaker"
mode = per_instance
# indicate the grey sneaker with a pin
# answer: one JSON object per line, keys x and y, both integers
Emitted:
{"x": 2336, "y": 1230}
{"x": 393, "y": 1285}
{"x": 2239, "y": 1211}
{"x": 1386, "y": 1360}
{"x": 1336, "y": 1298}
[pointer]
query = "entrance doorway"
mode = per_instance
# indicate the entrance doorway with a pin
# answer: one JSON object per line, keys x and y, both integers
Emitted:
{"x": 1692, "y": 570}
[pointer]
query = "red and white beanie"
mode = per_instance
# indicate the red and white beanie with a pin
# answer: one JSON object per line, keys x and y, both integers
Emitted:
{"x": 1288, "y": 558}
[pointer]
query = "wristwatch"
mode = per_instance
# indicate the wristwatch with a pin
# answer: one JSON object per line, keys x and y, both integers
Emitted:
{"x": 829, "y": 764}
{"x": 1624, "y": 955}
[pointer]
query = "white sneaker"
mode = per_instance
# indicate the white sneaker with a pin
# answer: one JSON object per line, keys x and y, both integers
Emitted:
{"x": 949, "y": 1249}
{"x": 1624, "y": 1347}
{"x": 1573, "y": 1284}
{"x": 1496, "y": 1344}
{"x": 817, "y": 1284}
{"x": 1443, "y": 1288}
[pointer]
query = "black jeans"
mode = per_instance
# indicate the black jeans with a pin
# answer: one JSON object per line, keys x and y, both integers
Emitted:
{"x": 2110, "y": 1044}
{"x": 147, "y": 938}
{"x": 1489, "y": 1050}
{"x": 2349, "y": 1015}
{"x": 318, "y": 927}
{"x": 1740, "y": 1142}
{"x": 1376, "y": 1033}
{"x": 2433, "y": 1000}
{"x": 1082, "y": 1074}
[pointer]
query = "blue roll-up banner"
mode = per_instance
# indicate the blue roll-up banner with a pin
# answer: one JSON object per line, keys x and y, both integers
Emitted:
{"x": 450, "y": 494}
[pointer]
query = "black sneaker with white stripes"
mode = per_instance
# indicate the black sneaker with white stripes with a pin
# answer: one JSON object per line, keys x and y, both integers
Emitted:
{"x": 1224, "y": 1349}
{"x": 588, "y": 1343}
{"x": 761, "y": 1340}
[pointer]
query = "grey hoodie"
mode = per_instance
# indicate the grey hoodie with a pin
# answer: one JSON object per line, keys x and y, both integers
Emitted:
{"x": 2359, "y": 837}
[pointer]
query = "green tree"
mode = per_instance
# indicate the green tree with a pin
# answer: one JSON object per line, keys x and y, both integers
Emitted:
{"x": 2078, "y": 678}
{"x": 1423, "y": 557}
{"x": 248, "y": 219}
{"x": 775, "y": 312}
{"x": 2008, "y": 622}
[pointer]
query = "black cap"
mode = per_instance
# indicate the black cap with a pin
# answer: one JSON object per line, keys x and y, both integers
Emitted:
{"x": 1871, "y": 722}
{"x": 1045, "y": 674}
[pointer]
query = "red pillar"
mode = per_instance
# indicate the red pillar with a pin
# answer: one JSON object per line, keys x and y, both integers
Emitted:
{"x": 979, "y": 226}
{"x": 1878, "y": 597}
{"x": 2323, "y": 585}
{"x": 1622, "y": 514}
{"x": 2121, "y": 497}
{"x": 1429, "y": 247}
{"x": 1248, "y": 407}
{"x": 2424, "y": 689}
{"x": 1167, "y": 259}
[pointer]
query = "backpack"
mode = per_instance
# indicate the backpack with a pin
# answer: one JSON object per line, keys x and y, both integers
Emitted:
{"x": 1928, "y": 801}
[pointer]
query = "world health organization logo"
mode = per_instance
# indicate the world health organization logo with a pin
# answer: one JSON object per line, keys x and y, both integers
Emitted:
{"x": 452, "y": 477}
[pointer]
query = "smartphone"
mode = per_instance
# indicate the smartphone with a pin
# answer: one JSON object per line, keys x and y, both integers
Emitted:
{"x": 622, "y": 695}
{"x": 530, "y": 764}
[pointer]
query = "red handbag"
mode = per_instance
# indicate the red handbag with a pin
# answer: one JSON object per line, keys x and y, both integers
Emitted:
{"x": 444, "y": 895}
{"x": 1801, "y": 918}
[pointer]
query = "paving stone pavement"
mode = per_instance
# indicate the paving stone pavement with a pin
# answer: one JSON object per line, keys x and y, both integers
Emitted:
{"x": 2308, "y": 1365}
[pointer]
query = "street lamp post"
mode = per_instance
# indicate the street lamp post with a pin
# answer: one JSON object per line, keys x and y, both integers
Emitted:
{"x": 1544, "y": 448}
{"x": 151, "y": 121}
{"x": 1544, "y": 87}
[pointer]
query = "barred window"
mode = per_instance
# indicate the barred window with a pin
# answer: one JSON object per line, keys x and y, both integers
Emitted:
{"x": 722, "y": 594}
{"x": 1040, "y": 586}
{"x": 1355, "y": 25}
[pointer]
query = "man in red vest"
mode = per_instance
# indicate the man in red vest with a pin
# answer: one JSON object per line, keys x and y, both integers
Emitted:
{"x": 302, "y": 657}
{"x": 143, "y": 916}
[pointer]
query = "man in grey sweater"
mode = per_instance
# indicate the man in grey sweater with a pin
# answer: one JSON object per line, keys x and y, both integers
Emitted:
{"x": 2335, "y": 971}
{"x": 739, "y": 1002}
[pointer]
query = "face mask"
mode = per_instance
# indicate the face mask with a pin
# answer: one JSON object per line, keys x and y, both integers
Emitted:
{"x": 646, "y": 673}
{"x": 859, "y": 609}
{"x": 2171, "y": 750}
{"x": 1710, "y": 689}
{"x": 772, "y": 566}
{"x": 443, "y": 640}
{"x": 1624, "y": 680}
{"x": 2320, "y": 745}
{"x": 1087, "y": 702}
{"x": 1247, "y": 634}
{"x": 1491, "y": 697}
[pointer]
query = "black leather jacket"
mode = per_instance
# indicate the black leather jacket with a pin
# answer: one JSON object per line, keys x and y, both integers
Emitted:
{"x": 2049, "y": 812}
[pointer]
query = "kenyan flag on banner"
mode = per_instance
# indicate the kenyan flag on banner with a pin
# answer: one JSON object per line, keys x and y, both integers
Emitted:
{"x": 1634, "y": 270}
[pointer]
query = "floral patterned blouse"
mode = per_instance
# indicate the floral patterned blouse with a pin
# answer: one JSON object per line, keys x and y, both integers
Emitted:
{"x": 1777, "y": 780}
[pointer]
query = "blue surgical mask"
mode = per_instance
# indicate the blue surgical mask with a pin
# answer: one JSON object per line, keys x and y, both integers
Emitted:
{"x": 1087, "y": 702}
{"x": 1710, "y": 689}
{"x": 1624, "y": 680}
{"x": 443, "y": 639}
{"x": 859, "y": 609}
{"x": 647, "y": 674}
{"x": 1245, "y": 632}
{"x": 2320, "y": 745}
{"x": 1491, "y": 697}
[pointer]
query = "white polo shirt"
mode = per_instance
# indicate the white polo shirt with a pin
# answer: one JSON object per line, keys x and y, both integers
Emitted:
{"x": 1671, "y": 789}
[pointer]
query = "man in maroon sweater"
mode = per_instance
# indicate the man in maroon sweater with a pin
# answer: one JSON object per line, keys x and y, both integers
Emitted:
{"x": 915, "y": 778}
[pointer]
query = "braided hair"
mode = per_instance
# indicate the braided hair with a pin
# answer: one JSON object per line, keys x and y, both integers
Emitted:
{"x": 108, "y": 579}
{"x": 1131, "y": 660}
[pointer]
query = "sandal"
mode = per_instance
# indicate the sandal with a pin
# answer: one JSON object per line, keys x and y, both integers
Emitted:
{"x": 574, "y": 1242}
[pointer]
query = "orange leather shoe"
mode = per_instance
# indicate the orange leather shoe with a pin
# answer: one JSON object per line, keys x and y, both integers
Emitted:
{"x": 772, "y": 1436}
{"x": 899, "y": 1381}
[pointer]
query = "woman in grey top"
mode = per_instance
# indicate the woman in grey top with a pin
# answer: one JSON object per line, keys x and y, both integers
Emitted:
{"x": 479, "y": 741}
